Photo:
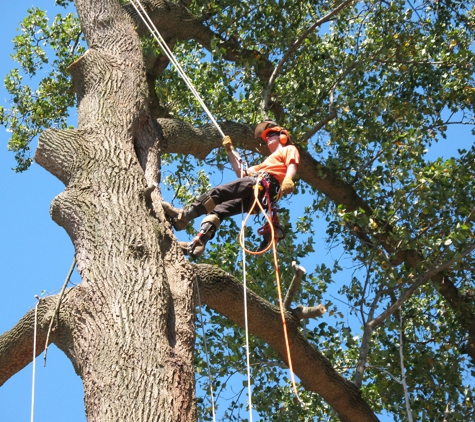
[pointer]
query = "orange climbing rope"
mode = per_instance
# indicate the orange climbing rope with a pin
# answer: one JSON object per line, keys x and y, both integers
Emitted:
{"x": 276, "y": 265}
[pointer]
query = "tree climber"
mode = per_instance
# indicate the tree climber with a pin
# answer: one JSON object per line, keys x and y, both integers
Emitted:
{"x": 226, "y": 200}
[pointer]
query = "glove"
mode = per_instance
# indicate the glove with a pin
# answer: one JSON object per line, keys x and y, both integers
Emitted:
{"x": 227, "y": 143}
{"x": 288, "y": 186}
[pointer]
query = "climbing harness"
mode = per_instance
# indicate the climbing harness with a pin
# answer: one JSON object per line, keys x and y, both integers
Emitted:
{"x": 272, "y": 228}
{"x": 265, "y": 231}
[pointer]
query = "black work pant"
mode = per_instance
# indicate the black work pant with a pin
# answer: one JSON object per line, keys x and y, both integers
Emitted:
{"x": 233, "y": 197}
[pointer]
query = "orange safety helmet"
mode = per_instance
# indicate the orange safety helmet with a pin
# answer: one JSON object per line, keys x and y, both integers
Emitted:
{"x": 264, "y": 128}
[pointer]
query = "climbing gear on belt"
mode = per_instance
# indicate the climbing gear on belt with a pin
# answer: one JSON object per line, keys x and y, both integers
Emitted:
{"x": 266, "y": 204}
{"x": 269, "y": 188}
{"x": 266, "y": 231}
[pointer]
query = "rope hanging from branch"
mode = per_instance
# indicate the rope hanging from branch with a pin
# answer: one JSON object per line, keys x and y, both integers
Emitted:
{"x": 163, "y": 45}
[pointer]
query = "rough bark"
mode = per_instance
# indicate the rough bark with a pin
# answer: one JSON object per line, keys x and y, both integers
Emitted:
{"x": 16, "y": 345}
{"x": 130, "y": 325}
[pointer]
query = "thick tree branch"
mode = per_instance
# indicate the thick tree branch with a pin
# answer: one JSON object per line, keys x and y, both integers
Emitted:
{"x": 224, "y": 293}
{"x": 181, "y": 138}
{"x": 59, "y": 150}
{"x": 16, "y": 345}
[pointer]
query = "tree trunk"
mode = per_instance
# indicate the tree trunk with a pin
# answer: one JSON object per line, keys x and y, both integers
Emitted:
{"x": 128, "y": 327}
{"x": 130, "y": 322}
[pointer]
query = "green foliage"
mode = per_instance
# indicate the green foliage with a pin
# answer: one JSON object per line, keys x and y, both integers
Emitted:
{"x": 34, "y": 109}
{"x": 399, "y": 75}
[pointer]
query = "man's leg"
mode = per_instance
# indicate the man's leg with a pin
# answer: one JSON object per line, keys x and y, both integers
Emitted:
{"x": 182, "y": 217}
{"x": 211, "y": 223}
{"x": 204, "y": 204}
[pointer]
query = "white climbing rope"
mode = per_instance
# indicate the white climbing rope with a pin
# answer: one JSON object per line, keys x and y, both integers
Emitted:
{"x": 32, "y": 414}
{"x": 163, "y": 45}
{"x": 210, "y": 377}
{"x": 246, "y": 325}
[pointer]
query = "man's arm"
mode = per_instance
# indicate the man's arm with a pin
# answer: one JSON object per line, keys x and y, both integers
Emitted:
{"x": 234, "y": 158}
{"x": 291, "y": 171}
{"x": 288, "y": 184}
{"x": 235, "y": 163}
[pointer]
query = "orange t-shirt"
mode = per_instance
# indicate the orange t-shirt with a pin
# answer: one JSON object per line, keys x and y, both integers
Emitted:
{"x": 276, "y": 164}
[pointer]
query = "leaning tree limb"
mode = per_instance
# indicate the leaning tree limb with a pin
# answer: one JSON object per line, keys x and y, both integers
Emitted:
{"x": 225, "y": 294}
{"x": 16, "y": 344}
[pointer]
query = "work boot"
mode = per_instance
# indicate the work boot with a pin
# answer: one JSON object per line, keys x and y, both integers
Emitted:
{"x": 209, "y": 226}
{"x": 179, "y": 217}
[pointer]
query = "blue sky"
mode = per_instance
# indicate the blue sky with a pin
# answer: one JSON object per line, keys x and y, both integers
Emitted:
{"x": 36, "y": 254}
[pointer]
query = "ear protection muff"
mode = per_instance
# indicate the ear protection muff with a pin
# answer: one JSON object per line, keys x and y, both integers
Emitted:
{"x": 284, "y": 137}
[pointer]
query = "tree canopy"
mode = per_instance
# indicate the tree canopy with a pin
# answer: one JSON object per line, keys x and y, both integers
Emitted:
{"x": 366, "y": 89}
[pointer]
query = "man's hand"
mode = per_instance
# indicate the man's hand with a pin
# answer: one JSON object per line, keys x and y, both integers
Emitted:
{"x": 288, "y": 186}
{"x": 227, "y": 143}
